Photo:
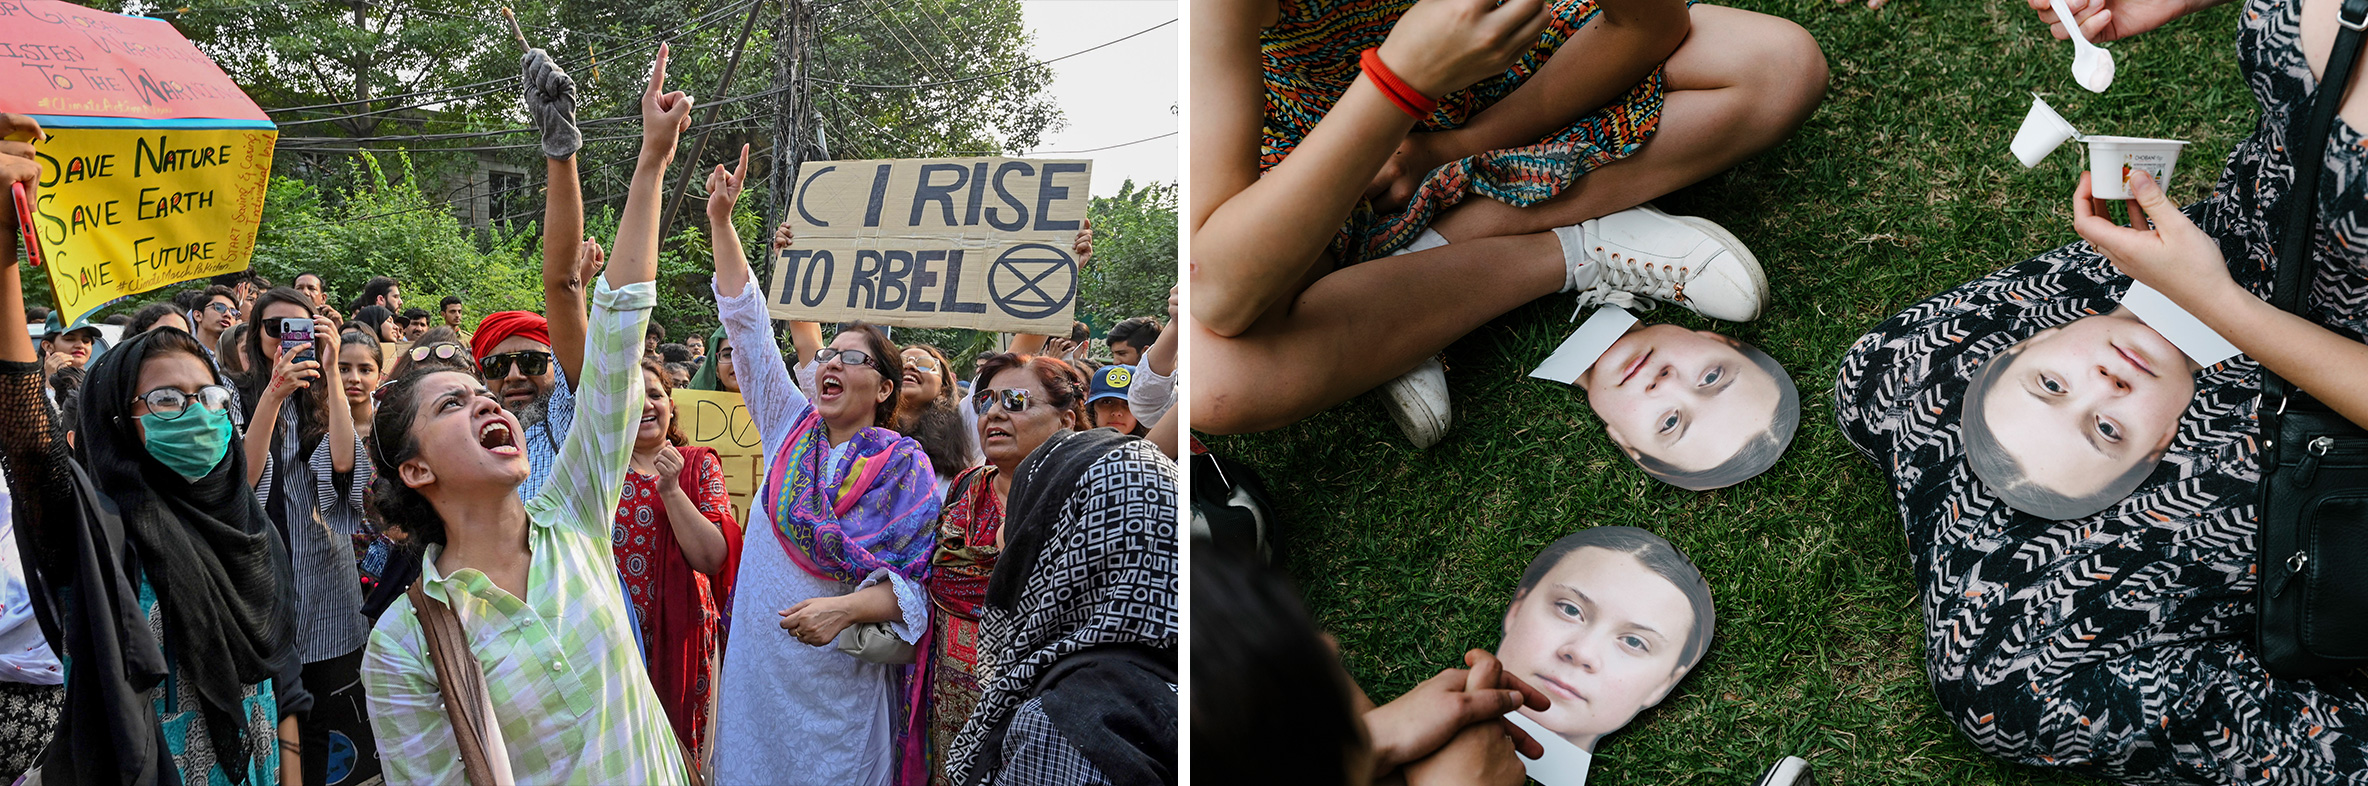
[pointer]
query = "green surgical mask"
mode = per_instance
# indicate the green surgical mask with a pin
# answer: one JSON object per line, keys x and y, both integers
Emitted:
{"x": 190, "y": 445}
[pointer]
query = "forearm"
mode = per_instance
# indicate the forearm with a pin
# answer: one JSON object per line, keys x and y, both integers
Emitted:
{"x": 341, "y": 432}
{"x": 1260, "y": 241}
{"x": 876, "y": 603}
{"x": 1168, "y": 435}
{"x": 2333, "y": 368}
{"x": 636, "y": 256}
{"x": 731, "y": 260}
{"x": 1607, "y": 58}
{"x": 1028, "y": 344}
{"x": 806, "y": 338}
{"x": 563, "y": 289}
{"x": 16, "y": 340}
{"x": 1161, "y": 357}
{"x": 260, "y": 426}
{"x": 701, "y": 541}
{"x": 291, "y": 748}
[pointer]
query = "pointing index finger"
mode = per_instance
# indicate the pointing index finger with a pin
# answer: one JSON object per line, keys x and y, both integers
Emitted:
{"x": 658, "y": 72}
{"x": 742, "y": 170}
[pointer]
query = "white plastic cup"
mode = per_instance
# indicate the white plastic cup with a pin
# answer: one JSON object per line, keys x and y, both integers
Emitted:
{"x": 2111, "y": 159}
{"x": 2043, "y": 131}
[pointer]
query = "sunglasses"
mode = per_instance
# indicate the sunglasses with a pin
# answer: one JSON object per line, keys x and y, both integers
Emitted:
{"x": 222, "y": 308}
{"x": 530, "y": 363}
{"x": 852, "y": 357}
{"x": 170, "y": 403}
{"x": 442, "y": 351}
{"x": 272, "y": 328}
{"x": 1013, "y": 400}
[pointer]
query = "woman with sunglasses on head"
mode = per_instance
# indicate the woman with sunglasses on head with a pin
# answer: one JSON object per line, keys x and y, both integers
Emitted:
{"x": 850, "y": 505}
{"x": 1022, "y": 400}
{"x": 155, "y": 569}
{"x": 300, "y": 446}
{"x": 533, "y": 582}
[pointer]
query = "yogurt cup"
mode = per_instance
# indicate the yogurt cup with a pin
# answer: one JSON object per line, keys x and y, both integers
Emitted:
{"x": 2043, "y": 131}
{"x": 2111, "y": 159}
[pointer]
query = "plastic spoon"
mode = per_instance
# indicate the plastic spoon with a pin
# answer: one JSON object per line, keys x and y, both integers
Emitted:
{"x": 2092, "y": 66}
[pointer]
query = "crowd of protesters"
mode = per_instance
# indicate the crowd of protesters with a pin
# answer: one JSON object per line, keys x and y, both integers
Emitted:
{"x": 241, "y": 527}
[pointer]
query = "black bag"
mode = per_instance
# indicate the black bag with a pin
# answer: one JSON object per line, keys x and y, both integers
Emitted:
{"x": 2314, "y": 463}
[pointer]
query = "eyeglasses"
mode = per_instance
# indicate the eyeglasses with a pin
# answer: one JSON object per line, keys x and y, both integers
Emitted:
{"x": 1013, "y": 400}
{"x": 169, "y": 403}
{"x": 852, "y": 357}
{"x": 529, "y": 362}
{"x": 442, "y": 350}
{"x": 724, "y": 354}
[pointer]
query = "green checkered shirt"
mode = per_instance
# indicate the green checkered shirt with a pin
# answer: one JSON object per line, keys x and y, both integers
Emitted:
{"x": 569, "y": 692}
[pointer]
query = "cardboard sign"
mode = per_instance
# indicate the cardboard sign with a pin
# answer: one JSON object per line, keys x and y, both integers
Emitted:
{"x": 127, "y": 210}
{"x": 58, "y": 58}
{"x": 981, "y": 243}
{"x": 719, "y": 420}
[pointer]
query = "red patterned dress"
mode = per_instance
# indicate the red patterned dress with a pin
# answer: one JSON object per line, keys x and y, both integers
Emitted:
{"x": 965, "y": 557}
{"x": 674, "y": 603}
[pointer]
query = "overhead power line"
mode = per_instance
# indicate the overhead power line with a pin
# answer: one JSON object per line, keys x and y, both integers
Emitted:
{"x": 1005, "y": 72}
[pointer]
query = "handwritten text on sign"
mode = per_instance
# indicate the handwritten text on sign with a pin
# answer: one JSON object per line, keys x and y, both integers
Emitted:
{"x": 127, "y": 210}
{"x": 62, "y": 59}
{"x": 719, "y": 420}
{"x": 978, "y": 243}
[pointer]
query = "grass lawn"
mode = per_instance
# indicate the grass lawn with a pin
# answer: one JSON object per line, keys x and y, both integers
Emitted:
{"x": 1900, "y": 187}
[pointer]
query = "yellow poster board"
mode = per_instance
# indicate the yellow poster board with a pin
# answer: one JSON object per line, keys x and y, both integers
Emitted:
{"x": 981, "y": 243}
{"x": 128, "y": 210}
{"x": 719, "y": 420}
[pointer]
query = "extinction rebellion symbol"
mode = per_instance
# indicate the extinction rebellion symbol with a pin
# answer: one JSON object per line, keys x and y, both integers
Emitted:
{"x": 1020, "y": 279}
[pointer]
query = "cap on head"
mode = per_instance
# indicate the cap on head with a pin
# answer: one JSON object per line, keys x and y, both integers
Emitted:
{"x": 1111, "y": 382}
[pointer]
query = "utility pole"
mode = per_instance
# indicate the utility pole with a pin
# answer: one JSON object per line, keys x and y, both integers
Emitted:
{"x": 789, "y": 126}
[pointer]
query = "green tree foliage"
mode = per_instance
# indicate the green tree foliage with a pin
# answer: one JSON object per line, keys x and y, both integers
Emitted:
{"x": 1134, "y": 256}
{"x": 390, "y": 225}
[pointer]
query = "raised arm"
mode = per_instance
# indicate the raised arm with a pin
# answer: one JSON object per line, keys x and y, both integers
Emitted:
{"x": 805, "y": 337}
{"x": 550, "y": 97}
{"x": 32, "y": 452}
{"x": 592, "y": 461}
{"x": 772, "y": 395}
{"x": 1253, "y": 235}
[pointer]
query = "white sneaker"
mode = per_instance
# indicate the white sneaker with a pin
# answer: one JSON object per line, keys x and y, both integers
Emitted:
{"x": 1418, "y": 402}
{"x": 1641, "y": 254}
{"x": 1788, "y": 771}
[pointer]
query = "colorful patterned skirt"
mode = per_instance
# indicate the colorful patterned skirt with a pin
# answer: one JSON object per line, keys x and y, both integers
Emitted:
{"x": 953, "y": 685}
{"x": 1310, "y": 57}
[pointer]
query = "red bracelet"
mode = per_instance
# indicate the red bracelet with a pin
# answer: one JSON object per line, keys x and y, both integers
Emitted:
{"x": 1406, "y": 97}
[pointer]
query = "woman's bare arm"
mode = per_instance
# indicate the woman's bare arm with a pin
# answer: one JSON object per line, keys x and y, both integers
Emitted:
{"x": 1254, "y": 236}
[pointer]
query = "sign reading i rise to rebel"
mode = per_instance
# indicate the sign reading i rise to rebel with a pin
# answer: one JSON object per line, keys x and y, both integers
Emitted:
{"x": 982, "y": 243}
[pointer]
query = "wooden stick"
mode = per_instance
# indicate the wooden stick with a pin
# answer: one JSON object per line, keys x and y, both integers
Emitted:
{"x": 515, "y": 32}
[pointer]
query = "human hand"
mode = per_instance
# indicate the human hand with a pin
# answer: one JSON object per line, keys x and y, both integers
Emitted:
{"x": 2113, "y": 20}
{"x": 54, "y": 361}
{"x": 18, "y": 133}
{"x": 551, "y": 100}
{"x": 723, "y": 191}
{"x": 589, "y": 260}
{"x": 1478, "y": 755}
{"x": 664, "y": 115}
{"x": 783, "y": 236}
{"x": 325, "y": 340}
{"x": 2173, "y": 255}
{"x": 669, "y": 463}
{"x": 1083, "y": 245}
{"x": 1400, "y": 176}
{"x": 1058, "y": 347}
{"x": 289, "y": 375}
{"x": 816, "y": 621}
{"x": 1426, "y": 718}
{"x": 1441, "y": 46}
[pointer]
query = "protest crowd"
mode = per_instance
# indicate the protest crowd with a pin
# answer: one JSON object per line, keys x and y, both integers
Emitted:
{"x": 254, "y": 532}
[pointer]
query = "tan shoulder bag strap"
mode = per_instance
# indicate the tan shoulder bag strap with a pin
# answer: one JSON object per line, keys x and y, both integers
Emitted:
{"x": 460, "y": 679}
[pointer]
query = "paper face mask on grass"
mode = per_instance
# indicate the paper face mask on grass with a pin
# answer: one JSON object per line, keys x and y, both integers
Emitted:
{"x": 2071, "y": 420}
{"x": 1606, "y": 622}
{"x": 1694, "y": 409}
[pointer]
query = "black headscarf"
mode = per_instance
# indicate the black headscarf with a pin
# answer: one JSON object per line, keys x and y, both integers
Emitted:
{"x": 1083, "y": 604}
{"x": 220, "y": 576}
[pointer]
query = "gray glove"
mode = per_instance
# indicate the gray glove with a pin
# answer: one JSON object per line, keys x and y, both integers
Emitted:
{"x": 551, "y": 101}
